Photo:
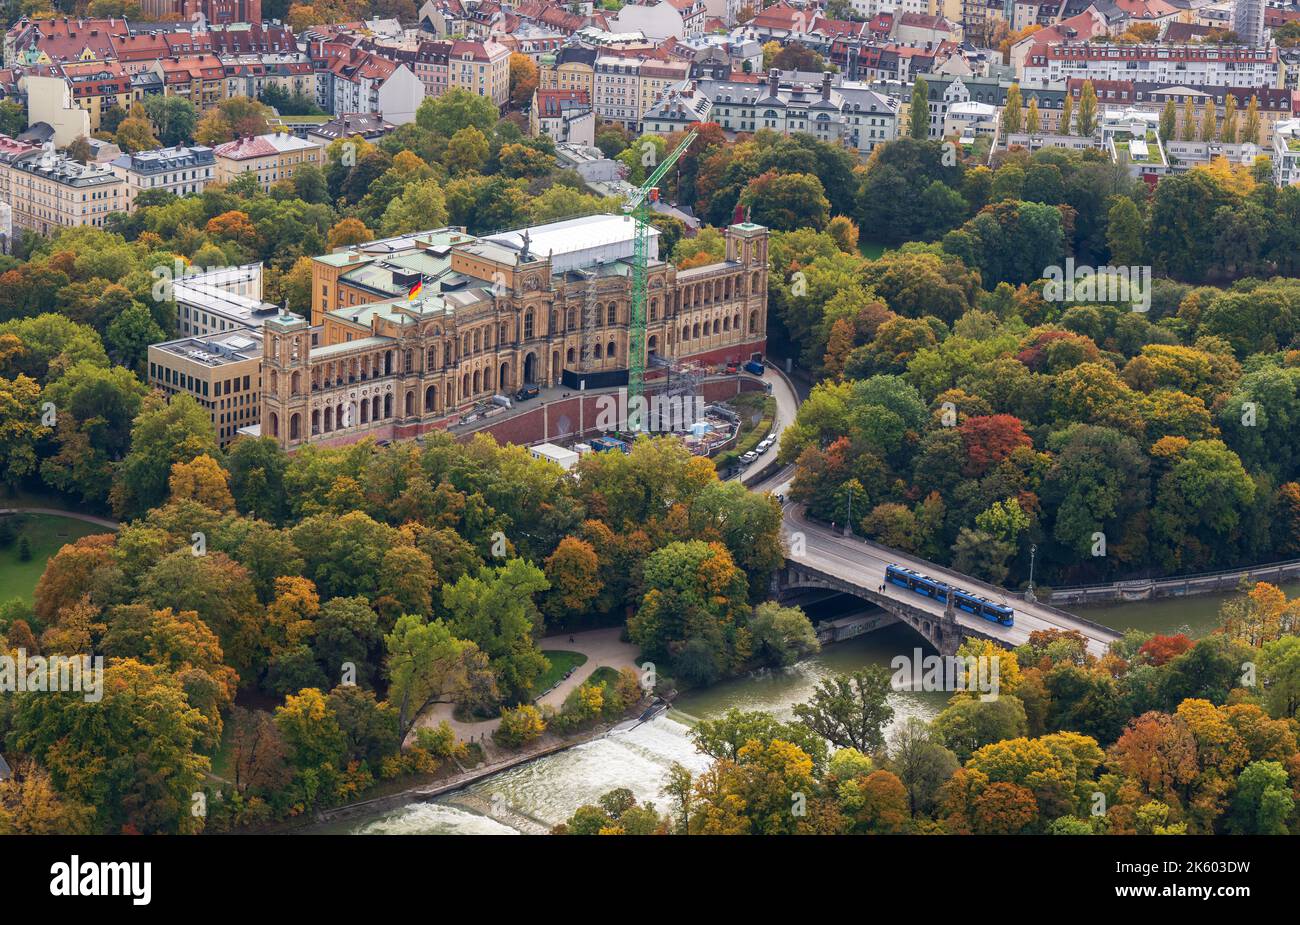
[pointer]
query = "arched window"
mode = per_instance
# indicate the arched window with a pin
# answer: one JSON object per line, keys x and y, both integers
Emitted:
{"x": 611, "y": 314}
{"x": 528, "y": 324}
{"x": 611, "y": 351}
{"x": 596, "y": 351}
{"x": 430, "y": 398}
{"x": 686, "y": 332}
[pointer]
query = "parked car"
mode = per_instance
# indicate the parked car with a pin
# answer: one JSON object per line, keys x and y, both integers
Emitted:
{"x": 527, "y": 392}
{"x": 748, "y": 458}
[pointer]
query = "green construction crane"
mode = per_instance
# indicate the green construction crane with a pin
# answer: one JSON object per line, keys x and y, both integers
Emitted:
{"x": 638, "y": 207}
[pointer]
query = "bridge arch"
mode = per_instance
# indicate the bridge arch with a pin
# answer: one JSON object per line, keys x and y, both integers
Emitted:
{"x": 944, "y": 633}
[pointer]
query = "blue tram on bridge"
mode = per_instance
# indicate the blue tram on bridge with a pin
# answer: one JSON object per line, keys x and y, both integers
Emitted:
{"x": 937, "y": 590}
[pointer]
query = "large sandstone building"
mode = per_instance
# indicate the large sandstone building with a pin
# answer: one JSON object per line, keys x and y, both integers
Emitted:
{"x": 547, "y": 305}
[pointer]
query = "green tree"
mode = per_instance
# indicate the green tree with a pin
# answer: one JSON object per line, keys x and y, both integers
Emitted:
{"x": 1263, "y": 802}
{"x": 852, "y": 710}
{"x": 1011, "y": 111}
{"x": 420, "y": 206}
{"x": 130, "y": 334}
{"x": 163, "y": 434}
{"x": 454, "y": 110}
{"x": 1125, "y": 233}
{"x": 782, "y": 635}
{"x": 20, "y": 427}
{"x": 426, "y": 664}
{"x": 919, "y": 115}
{"x": 174, "y": 117}
{"x": 495, "y": 609}
{"x": 1250, "y": 131}
{"x": 1087, "y": 109}
{"x": 1168, "y": 121}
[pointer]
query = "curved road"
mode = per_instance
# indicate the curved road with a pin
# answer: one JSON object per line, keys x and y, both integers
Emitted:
{"x": 60, "y": 512}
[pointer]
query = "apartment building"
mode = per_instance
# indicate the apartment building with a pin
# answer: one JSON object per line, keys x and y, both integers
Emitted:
{"x": 789, "y": 102}
{"x": 47, "y": 190}
{"x": 366, "y": 82}
{"x": 1286, "y": 153}
{"x": 223, "y": 373}
{"x": 67, "y": 40}
{"x": 179, "y": 170}
{"x": 98, "y": 87}
{"x": 1272, "y": 104}
{"x": 947, "y": 92}
{"x": 571, "y": 68}
{"x": 200, "y": 78}
{"x": 272, "y": 157}
{"x": 1170, "y": 65}
{"x": 251, "y": 74}
{"x": 625, "y": 87}
{"x": 563, "y": 115}
{"x": 210, "y": 11}
{"x": 482, "y": 68}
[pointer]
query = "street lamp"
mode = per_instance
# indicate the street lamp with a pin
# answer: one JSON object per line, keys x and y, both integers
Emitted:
{"x": 848, "y": 524}
{"x": 1029, "y": 592}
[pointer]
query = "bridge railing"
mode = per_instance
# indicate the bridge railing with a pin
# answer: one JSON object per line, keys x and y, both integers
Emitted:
{"x": 1104, "y": 632}
{"x": 1200, "y": 581}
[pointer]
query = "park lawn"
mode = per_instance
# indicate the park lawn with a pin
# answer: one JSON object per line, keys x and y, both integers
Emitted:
{"x": 604, "y": 675}
{"x": 561, "y": 661}
{"x": 47, "y": 534}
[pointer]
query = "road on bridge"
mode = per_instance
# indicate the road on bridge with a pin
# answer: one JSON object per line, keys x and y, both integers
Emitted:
{"x": 862, "y": 563}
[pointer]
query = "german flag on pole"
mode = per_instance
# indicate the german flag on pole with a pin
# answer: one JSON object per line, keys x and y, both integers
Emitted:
{"x": 415, "y": 290}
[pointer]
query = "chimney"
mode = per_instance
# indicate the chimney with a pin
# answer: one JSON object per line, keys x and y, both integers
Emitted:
{"x": 773, "y": 81}
{"x": 826, "y": 86}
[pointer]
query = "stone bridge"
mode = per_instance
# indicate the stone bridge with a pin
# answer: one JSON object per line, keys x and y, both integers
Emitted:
{"x": 822, "y": 558}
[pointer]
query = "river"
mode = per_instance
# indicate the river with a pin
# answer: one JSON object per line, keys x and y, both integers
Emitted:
{"x": 535, "y": 796}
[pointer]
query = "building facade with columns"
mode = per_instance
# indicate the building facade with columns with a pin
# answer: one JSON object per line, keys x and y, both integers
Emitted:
{"x": 411, "y": 334}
